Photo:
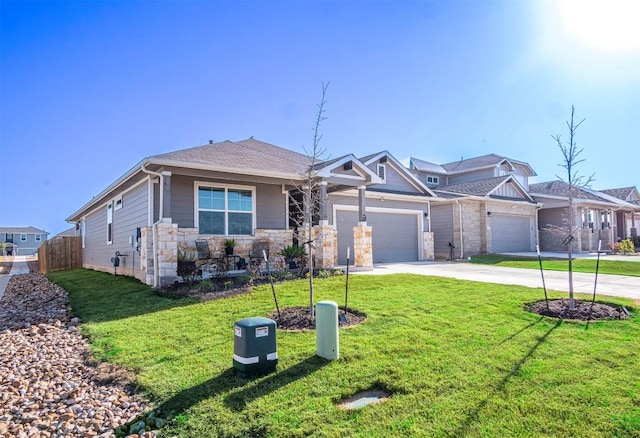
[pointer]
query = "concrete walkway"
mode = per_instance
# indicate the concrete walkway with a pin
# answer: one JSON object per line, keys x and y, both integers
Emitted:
{"x": 19, "y": 267}
{"x": 612, "y": 285}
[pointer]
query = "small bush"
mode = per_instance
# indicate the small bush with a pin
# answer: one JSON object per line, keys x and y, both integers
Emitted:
{"x": 627, "y": 247}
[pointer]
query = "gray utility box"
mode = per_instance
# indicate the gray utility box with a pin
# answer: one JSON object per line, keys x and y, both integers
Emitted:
{"x": 254, "y": 346}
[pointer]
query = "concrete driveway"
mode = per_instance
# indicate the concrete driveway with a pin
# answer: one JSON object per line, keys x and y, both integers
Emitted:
{"x": 19, "y": 267}
{"x": 612, "y": 285}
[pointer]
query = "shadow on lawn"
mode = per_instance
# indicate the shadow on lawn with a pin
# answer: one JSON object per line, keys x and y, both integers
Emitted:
{"x": 252, "y": 388}
{"x": 472, "y": 417}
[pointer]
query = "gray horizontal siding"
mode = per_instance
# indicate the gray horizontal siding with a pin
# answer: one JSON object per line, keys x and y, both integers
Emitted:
{"x": 271, "y": 204}
{"x": 442, "y": 227}
{"x": 132, "y": 215}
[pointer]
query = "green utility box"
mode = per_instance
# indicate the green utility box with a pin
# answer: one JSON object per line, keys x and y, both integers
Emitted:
{"x": 327, "y": 335}
{"x": 254, "y": 346}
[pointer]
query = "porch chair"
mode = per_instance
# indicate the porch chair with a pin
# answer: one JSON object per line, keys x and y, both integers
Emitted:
{"x": 206, "y": 261}
{"x": 255, "y": 254}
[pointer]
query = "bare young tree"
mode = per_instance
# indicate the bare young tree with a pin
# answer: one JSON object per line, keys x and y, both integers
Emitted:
{"x": 307, "y": 205}
{"x": 571, "y": 158}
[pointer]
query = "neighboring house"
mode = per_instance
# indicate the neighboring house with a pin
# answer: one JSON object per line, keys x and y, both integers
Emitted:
{"x": 22, "y": 240}
{"x": 627, "y": 218}
{"x": 596, "y": 216}
{"x": 483, "y": 205}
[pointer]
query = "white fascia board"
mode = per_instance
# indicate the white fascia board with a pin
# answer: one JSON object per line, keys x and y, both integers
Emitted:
{"x": 517, "y": 183}
{"x": 326, "y": 171}
{"x": 386, "y": 195}
{"x": 410, "y": 177}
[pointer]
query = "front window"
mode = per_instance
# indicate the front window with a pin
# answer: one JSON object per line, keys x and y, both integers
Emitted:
{"x": 38, "y": 237}
{"x": 225, "y": 210}
{"x": 433, "y": 179}
{"x": 23, "y": 237}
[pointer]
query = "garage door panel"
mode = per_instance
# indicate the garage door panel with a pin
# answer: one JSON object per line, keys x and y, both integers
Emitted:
{"x": 511, "y": 233}
{"x": 395, "y": 236}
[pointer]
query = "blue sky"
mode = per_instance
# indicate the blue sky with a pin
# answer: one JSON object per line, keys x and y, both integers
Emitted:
{"x": 90, "y": 88}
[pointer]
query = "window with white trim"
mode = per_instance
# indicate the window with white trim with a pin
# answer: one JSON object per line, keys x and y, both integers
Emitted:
{"x": 23, "y": 237}
{"x": 225, "y": 210}
{"x": 382, "y": 171}
{"x": 118, "y": 202}
{"x": 38, "y": 237}
{"x": 110, "y": 223}
{"x": 433, "y": 180}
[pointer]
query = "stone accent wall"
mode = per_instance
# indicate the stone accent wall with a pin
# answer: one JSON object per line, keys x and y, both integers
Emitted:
{"x": 146, "y": 254}
{"x": 474, "y": 233}
{"x": 278, "y": 239}
{"x": 362, "y": 246}
{"x": 326, "y": 236}
{"x": 167, "y": 251}
{"x": 428, "y": 252}
{"x": 551, "y": 239}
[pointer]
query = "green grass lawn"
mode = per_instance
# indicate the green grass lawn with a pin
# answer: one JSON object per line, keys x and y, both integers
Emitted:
{"x": 614, "y": 267}
{"x": 459, "y": 358}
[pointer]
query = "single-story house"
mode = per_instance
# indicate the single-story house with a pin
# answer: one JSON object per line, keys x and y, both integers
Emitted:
{"x": 21, "y": 240}
{"x": 596, "y": 217}
{"x": 627, "y": 218}
{"x": 252, "y": 191}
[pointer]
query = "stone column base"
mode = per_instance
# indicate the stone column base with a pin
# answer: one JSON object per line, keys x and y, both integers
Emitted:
{"x": 362, "y": 246}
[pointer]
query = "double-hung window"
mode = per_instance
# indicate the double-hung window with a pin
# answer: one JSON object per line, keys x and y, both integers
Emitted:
{"x": 23, "y": 237}
{"x": 38, "y": 237}
{"x": 225, "y": 210}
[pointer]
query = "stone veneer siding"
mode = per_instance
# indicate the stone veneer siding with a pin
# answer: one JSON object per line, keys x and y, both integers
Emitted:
{"x": 278, "y": 239}
{"x": 428, "y": 251}
{"x": 362, "y": 246}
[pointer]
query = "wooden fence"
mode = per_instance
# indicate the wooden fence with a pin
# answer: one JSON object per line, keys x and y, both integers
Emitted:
{"x": 59, "y": 254}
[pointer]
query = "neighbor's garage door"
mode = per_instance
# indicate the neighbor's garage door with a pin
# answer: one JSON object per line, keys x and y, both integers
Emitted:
{"x": 395, "y": 236}
{"x": 511, "y": 233}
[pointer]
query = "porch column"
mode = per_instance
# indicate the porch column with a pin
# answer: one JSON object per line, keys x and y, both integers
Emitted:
{"x": 633, "y": 230}
{"x": 362, "y": 204}
{"x": 324, "y": 218}
{"x": 362, "y": 235}
{"x": 166, "y": 195}
{"x": 306, "y": 210}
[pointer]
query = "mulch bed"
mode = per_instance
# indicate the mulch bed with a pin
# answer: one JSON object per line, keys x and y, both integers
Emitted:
{"x": 582, "y": 311}
{"x": 298, "y": 318}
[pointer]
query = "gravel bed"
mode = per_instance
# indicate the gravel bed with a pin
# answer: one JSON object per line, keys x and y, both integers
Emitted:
{"x": 49, "y": 386}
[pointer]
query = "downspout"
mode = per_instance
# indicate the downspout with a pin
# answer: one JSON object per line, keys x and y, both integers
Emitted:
{"x": 461, "y": 230}
{"x": 156, "y": 271}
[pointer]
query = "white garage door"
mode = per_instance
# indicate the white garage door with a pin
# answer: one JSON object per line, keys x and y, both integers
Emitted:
{"x": 511, "y": 233}
{"x": 395, "y": 236}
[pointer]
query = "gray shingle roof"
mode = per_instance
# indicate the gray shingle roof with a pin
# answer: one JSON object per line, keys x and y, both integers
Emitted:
{"x": 426, "y": 166}
{"x": 249, "y": 154}
{"x": 621, "y": 193}
{"x": 21, "y": 230}
{"x": 473, "y": 163}
{"x": 476, "y": 188}
{"x": 561, "y": 189}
